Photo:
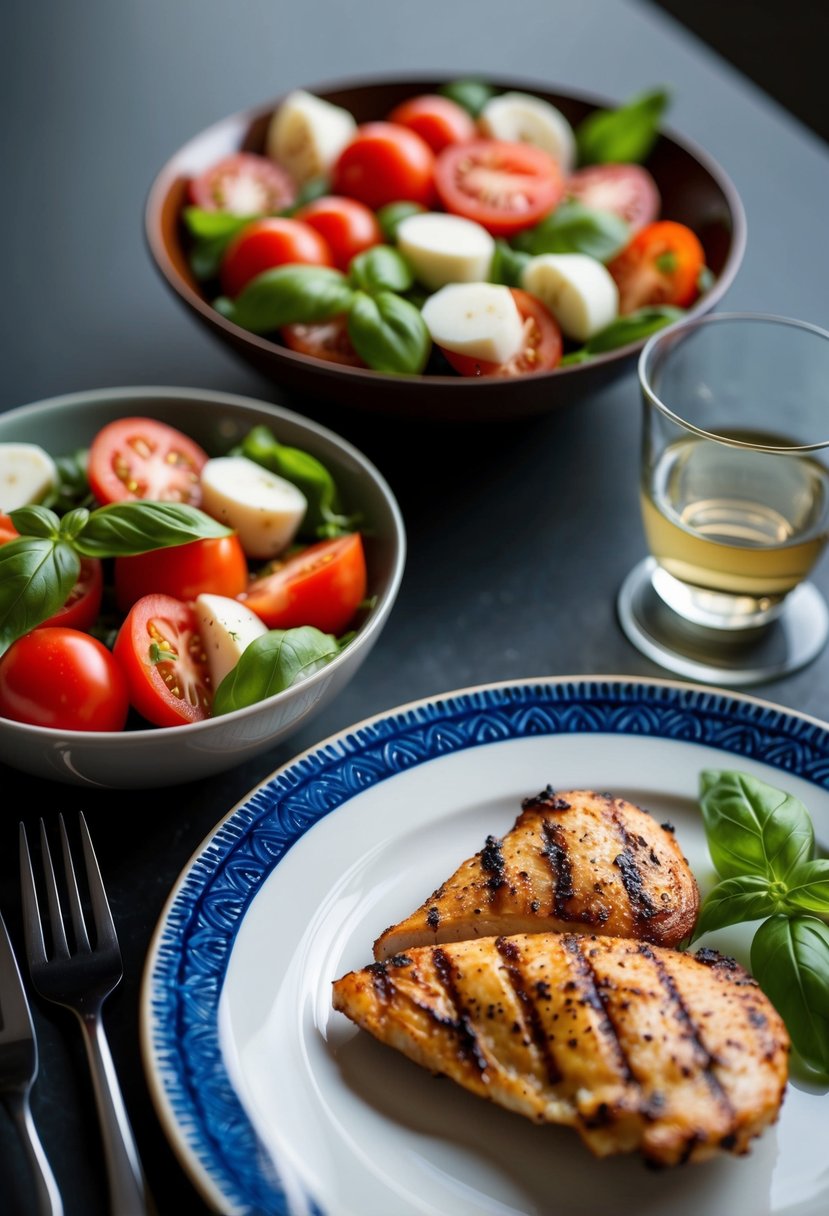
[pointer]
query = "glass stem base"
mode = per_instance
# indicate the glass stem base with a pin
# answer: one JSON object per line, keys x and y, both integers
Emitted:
{"x": 746, "y": 649}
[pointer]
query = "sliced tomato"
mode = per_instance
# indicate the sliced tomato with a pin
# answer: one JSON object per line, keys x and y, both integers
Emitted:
{"x": 346, "y": 225}
{"x": 144, "y": 458}
{"x": 660, "y": 265}
{"x": 627, "y": 190}
{"x": 7, "y": 530}
{"x": 327, "y": 340}
{"x": 84, "y": 600}
{"x": 437, "y": 120}
{"x": 385, "y": 163}
{"x": 540, "y": 351}
{"x": 273, "y": 241}
{"x": 503, "y": 186}
{"x": 322, "y": 586}
{"x": 215, "y": 565}
{"x": 64, "y": 679}
{"x": 243, "y": 183}
{"x": 162, "y": 657}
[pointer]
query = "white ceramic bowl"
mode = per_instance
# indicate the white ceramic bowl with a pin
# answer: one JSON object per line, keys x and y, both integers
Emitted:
{"x": 164, "y": 756}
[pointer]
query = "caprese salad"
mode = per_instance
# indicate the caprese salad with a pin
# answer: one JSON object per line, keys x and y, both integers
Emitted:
{"x": 144, "y": 582}
{"x": 469, "y": 231}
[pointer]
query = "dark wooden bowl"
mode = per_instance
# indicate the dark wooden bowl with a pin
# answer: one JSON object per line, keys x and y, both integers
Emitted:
{"x": 695, "y": 190}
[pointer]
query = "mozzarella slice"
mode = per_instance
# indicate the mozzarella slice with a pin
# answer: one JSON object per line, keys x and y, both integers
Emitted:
{"x": 306, "y": 135}
{"x": 522, "y": 118}
{"x": 265, "y": 510}
{"x": 578, "y": 290}
{"x": 445, "y": 249}
{"x": 476, "y": 319}
{"x": 27, "y": 474}
{"x": 226, "y": 628}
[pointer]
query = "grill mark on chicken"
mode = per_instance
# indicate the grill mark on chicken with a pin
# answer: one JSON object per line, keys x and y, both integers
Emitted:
{"x": 633, "y": 881}
{"x": 555, "y": 850}
{"x": 511, "y": 955}
{"x": 463, "y": 1026}
{"x": 591, "y": 994}
{"x": 492, "y": 863}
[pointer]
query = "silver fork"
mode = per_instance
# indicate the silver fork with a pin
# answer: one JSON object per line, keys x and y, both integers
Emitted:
{"x": 18, "y": 1069}
{"x": 80, "y": 979}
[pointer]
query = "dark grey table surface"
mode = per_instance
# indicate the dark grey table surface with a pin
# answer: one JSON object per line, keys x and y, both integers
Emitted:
{"x": 519, "y": 535}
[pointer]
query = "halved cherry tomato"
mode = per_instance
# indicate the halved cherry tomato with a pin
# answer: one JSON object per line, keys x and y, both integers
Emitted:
{"x": 273, "y": 241}
{"x": 243, "y": 183}
{"x": 438, "y": 120}
{"x": 660, "y": 265}
{"x": 503, "y": 186}
{"x": 347, "y": 226}
{"x": 627, "y": 190}
{"x": 162, "y": 657}
{"x": 327, "y": 340}
{"x": 215, "y": 565}
{"x": 62, "y": 678}
{"x": 540, "y": 351}
{"x": 84, "y": 600}
{"x": 385, "y": 163}
{"x": 322, "y": 586}
{"x": 144, "y": 458}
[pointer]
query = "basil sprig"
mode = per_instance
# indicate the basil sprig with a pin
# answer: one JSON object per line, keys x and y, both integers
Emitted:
{"x": 288, "y": 295}
{"x": 471, "y": 94}
{"x": 762, "y": 844}
{"x": 626, "y": 133}
{"x": 38, "y": 570}
{"x": 272, "y": 663}
{"x": 574, "y": 228}
{"x": 632, "y": 327}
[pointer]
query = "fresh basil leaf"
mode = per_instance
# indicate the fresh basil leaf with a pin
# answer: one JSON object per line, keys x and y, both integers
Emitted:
{"x": 389, "y": 333}
{"x": 633, "y": 327}
{"x": 72, "y": 489}
{"x": 582, "y": 355}
{"x": 211, "y": 224}
{"x": 205, "y": 258}
{"x": 626, "y": 133}
{"x": 287, "y": 295}
{"x": 122, "y": 529}
{"x": 323, "y": 516}
{"x": 575, "y": 228}
{"x": 36, "y": 576}
{"x": 736, "y": 900}
{"x": 472, "y": 94}
{"x": 753, "y": 828}
{"x": 790, "y": 961}
{"x": 380, "y": 268}
{"x": 73, "y": 522}
{"x": 808, "y": 887}
{"x": 507, "y": 264}
{"x": 36, "y": 521}
{"x": 273, "y": 662}
{"x": 315, "y": 187}
{"x": 391, "y": 215}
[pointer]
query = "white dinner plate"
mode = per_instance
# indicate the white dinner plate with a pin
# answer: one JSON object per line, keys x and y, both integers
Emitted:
{"x": 277, "y": 1104}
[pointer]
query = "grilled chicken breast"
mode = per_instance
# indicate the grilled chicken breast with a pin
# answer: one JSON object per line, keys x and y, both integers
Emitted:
{"x": 575, "y": 860}
{"x": 637, "y": 1047}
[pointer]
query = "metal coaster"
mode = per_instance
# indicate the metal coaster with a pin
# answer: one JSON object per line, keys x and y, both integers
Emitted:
{"x": 715, "y": 656}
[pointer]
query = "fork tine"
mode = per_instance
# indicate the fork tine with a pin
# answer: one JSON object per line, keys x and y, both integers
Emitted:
{"x": 104, "y": 924}
{"x": 15, "y": 1018}
{"x": 75, "y": 909}
{"x": 33, "y": 930}
{"x": 60, "y": 945}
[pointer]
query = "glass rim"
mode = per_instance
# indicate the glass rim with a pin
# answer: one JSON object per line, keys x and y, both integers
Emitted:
{"x": 679, "y": 329}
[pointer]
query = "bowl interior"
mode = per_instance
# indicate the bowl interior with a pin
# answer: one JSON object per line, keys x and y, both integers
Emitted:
{"x": 695, "y": 190}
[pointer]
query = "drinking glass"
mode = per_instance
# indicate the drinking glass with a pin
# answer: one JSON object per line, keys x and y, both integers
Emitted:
{"x": 734, "y": 486}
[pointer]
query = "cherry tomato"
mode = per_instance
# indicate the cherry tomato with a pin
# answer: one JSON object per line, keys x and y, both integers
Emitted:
{"x": 243, "y": 183}
{"x": 327, "y": 340}
{"x": 660, "y": 265}
{"x": 385, "y": 163}
{"x": 503, "y": 186}
{"x": 540, "y": 352}
{"x": 627, "y": 190}
{"x": 162, "y": 657}
{"x": 347, "y": 226}
{"x": 84, "y": 600}
{"x": 215, "y": 565}
{"x": 263, "y": 244}
{"x": 144, "y": 458}
{"x": 437, "y": 120}
{"x": 64, "y": 679}
{"x": 322, "y": 586}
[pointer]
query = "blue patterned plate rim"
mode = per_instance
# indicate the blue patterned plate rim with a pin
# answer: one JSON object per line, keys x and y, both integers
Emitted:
{"x": 196, "y": 1101}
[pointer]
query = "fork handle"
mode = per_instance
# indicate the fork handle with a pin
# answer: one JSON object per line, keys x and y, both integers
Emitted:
{"x": 49, "y": 1202}
{"x": 128, "y": 1193}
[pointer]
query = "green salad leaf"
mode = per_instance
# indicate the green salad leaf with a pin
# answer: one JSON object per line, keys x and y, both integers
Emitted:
{"x": 625, "y": 133}
{"x": 273, "y": 662}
